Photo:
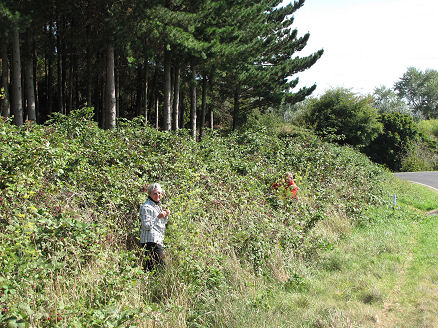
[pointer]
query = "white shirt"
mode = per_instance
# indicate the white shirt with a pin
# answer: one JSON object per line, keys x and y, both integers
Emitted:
{"x": 152, "y": 227}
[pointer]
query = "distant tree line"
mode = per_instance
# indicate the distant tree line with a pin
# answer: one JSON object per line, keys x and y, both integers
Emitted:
{"x": 415, "y": 94}
{"x": 152, "y": 58}
{"x": 384, "y": 126}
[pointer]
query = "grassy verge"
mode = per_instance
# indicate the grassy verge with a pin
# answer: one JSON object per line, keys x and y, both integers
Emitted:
{"x": 420, "y": 295}
{"x": 417, "y": 197}
{"x": 382, "y": 274}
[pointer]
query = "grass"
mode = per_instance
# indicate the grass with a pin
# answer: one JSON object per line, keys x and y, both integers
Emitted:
{"x": 382, "y": 274}
{"x": 421, "y": 293}
{"x": 416, "y": 196}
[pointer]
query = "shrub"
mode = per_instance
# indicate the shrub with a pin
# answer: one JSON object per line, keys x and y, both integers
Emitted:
{"x": 351, "y": 119}
{"x": 419, "y": 157}
{"x": 429, "y": 128}
{"x": 69, "y": 198}
{"x": 398, "y": 135}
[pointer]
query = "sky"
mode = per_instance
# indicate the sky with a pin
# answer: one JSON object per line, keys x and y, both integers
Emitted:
{"x": 367, "y": 43}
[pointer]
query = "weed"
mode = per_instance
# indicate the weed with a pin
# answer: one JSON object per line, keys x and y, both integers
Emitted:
{"x": 69, "y": 197}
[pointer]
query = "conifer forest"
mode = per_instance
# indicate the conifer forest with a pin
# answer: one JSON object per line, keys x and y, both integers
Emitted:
{"x": 178, "y": 64}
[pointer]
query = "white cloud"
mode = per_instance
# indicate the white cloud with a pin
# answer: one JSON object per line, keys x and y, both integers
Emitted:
{"x": 367, "y": 43}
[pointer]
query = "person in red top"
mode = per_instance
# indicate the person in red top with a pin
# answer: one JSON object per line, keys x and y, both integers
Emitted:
{"x": 288, "y": 188}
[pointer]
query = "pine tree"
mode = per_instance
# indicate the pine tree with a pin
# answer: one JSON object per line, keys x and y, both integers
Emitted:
{"x": 4, "y": 87}
{"x": 278, "y": 61}
{"x": 244, "y": 51}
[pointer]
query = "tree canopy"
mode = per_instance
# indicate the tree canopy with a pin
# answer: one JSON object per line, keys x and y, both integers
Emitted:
{"x": 420, "y": 89}
{"x": 387, "y": 100}
{"x": 128, "y": 57}
{"x": 348, "y": 117}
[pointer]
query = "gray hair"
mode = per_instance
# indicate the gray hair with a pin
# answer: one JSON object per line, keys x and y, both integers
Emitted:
{"x": 154, "y": 186}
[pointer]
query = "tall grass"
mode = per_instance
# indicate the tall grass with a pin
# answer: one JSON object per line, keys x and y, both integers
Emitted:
{"x": 70, "y": 194}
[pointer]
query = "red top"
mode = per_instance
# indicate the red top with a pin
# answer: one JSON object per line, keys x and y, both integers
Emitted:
{"x": 291, "y": 186}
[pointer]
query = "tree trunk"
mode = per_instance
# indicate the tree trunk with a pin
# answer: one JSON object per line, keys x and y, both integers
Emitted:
{"x": 203, "y": 106}
{"x": 117, "y": 75}
{"x": 145, "y": 93}
{"x": 78, "y": 96}
{"x": 60, "y": 69}
{"x": 210, "y": 109}
{"x": 89, "y": 75}
{"x": 5, "y": 111}
{"x": 63, "y": 53}
{"x": 236, "y": 106}
{"x": 71, "y": 85}
{"x": 175, "y": 119}
{"x": 110, "y": 97}
{"x": 49, "y": 85}
{"x": 156, "y": 112}
{"x": 29, "y": 90}
{"x": 99, "y": 93}
{"x": 50, "y": 72}
{"x": 211, "y": 125}
{"x": 193, "y": 104}
{"x": 153, "y": 92}
{"x": 182, "y": 109}
{"x": 139, "y": 90}
{"x": 167, "y": 92}
{"x": 35, "y": 82}
{"x": 17, "y": 100}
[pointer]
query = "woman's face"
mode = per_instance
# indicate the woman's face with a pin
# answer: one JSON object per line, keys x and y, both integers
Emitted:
{"x": 156, "y": 195}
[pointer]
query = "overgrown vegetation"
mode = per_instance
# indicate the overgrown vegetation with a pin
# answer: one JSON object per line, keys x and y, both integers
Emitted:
{"x": 69, "y": 198}
{"x": 391, "y": 146}
{"x": 350, "y": 119}
{"x": 429, "y": 128}
{"x": 376, "y": 127}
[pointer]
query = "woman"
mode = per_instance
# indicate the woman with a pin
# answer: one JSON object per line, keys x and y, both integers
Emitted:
{"x": 153, "y": 225}
{"x": 287, "y": 188}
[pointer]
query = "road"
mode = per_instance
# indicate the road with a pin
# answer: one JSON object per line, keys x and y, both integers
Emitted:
{"x": 429, "y": 178}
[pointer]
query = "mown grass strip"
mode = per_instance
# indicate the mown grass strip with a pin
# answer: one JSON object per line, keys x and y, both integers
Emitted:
{"x": 420, "y": 294}
{"x": 382, "y": 275}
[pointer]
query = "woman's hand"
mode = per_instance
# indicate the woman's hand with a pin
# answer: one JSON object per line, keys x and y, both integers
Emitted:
{"x": 163, "y": 214}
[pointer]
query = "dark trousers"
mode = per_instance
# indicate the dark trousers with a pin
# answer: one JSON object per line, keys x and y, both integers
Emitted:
{"x": 153, "y": 256}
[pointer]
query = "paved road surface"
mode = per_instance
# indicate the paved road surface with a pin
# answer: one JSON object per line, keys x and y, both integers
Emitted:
{"x": 429, "y": 178}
